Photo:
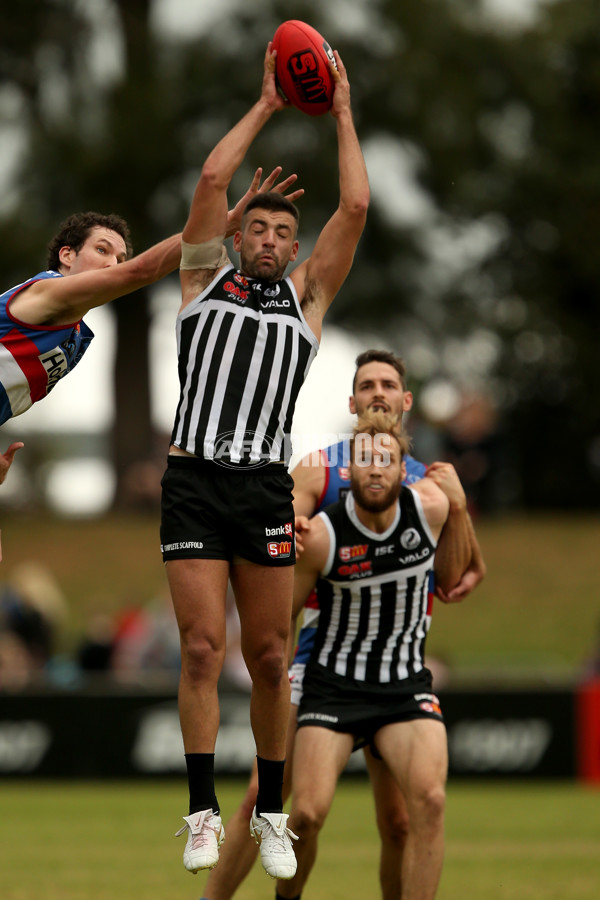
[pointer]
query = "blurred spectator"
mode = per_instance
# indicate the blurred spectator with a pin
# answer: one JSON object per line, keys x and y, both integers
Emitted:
{"x": 94, "y": 653}
{"x": 146, "y": 641}
{"x": 32, "y": 614}
{"x": 138, "y": 645}
{"x": 17, "y": 668}
{"x": 146, "y": 644}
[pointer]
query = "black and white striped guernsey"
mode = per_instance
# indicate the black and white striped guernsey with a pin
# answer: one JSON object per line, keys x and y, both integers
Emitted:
{"x": 244, "y": 350}
{"x": 374, "y": 594}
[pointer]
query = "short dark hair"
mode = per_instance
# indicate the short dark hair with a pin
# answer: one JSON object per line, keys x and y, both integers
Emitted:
{"x": 75, "y": 230}
{"x": 384, "y": 356}
{"x": 273, "y": 201}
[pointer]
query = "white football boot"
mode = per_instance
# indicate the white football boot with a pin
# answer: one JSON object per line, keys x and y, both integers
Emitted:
{"x": 206, "y": 834}
{"x": 274, "y": 838}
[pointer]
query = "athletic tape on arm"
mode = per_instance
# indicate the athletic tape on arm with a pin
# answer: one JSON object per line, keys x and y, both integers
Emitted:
{"x": 208, "y": 255}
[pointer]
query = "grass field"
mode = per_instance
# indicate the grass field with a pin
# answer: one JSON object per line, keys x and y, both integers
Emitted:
{"x": 533, "y": 614}
{"x": 113, "y": 841}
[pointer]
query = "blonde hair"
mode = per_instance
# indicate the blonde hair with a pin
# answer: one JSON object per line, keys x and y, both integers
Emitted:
{"x": 374, "y": 423}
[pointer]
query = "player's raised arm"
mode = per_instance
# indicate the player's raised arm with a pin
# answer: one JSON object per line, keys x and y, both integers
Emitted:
{"x": 318, "y": 279}
{"x": 208, "y": 211}
{"x": 61, "y": 301}
{"x": 208, "y": 223}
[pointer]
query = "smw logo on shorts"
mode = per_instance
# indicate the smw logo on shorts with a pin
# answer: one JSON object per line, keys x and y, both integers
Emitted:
{"x": 279, "y": 549}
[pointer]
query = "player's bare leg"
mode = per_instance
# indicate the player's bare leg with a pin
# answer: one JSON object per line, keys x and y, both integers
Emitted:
{"x": 264, "y": 600}
{"x": 198, "y": 592}
{"x": 392, "y": 823}
{"x": 198, "y": 589}
{"x": 416, "y": 753}
{"x": 320, "y": 756}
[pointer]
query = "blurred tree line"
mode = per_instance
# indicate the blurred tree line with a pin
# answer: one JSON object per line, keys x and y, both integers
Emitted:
{"x": 479, "y": 261}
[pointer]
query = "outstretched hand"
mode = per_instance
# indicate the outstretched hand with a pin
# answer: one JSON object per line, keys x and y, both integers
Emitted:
{"x": 234, "y": 216}
{"x": 270, "y": 93}
{"x": 341, "y": 94}
{"x": 6, "y": 459}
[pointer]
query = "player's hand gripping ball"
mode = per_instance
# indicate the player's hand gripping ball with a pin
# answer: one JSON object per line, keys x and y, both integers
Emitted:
{"x": 302, "y": 67}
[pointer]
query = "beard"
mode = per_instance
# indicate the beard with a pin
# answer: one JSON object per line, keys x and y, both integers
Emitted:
{"x": 375, "y": 503}
{"x": 253, "y": 268}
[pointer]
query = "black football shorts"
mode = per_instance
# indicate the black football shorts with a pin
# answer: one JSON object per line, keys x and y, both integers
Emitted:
{"x": 353, "y": 707}
{"x": 212, "y": 512}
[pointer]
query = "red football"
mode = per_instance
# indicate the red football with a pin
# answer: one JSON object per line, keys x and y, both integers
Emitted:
{"x": 302, "y": 67}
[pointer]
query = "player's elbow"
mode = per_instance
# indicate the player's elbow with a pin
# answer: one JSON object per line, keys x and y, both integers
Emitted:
{"x": 364, "y": 200}
{"x": 212, "y": 177}
{"x": 356, "y": 207}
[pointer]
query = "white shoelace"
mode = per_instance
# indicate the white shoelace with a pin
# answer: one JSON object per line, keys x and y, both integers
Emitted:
{"x": 200, "y": 838}
{"x": 280, "y": 833}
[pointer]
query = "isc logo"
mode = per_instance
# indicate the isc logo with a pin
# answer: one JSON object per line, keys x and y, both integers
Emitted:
{"x": 303, "y": 67}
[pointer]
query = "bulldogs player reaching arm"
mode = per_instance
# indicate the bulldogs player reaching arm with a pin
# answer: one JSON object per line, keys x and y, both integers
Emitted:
{"x": 42, "y": 332}
{"x": 246, "y": 339}
{"x": 370, "y": 556}
{"x": 42, "y": 335}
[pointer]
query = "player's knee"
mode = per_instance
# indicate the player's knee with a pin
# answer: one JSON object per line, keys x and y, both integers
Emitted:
{"x": 201, "y": 659}
{"x": 307, "y": 820}
{"x": 269, "y": 667}
{"x": 430, "y": 803}
{"x": 393, "y": 826}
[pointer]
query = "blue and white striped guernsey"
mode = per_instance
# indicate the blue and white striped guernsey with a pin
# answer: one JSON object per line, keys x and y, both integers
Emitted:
{"x": 33, "y": 358}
